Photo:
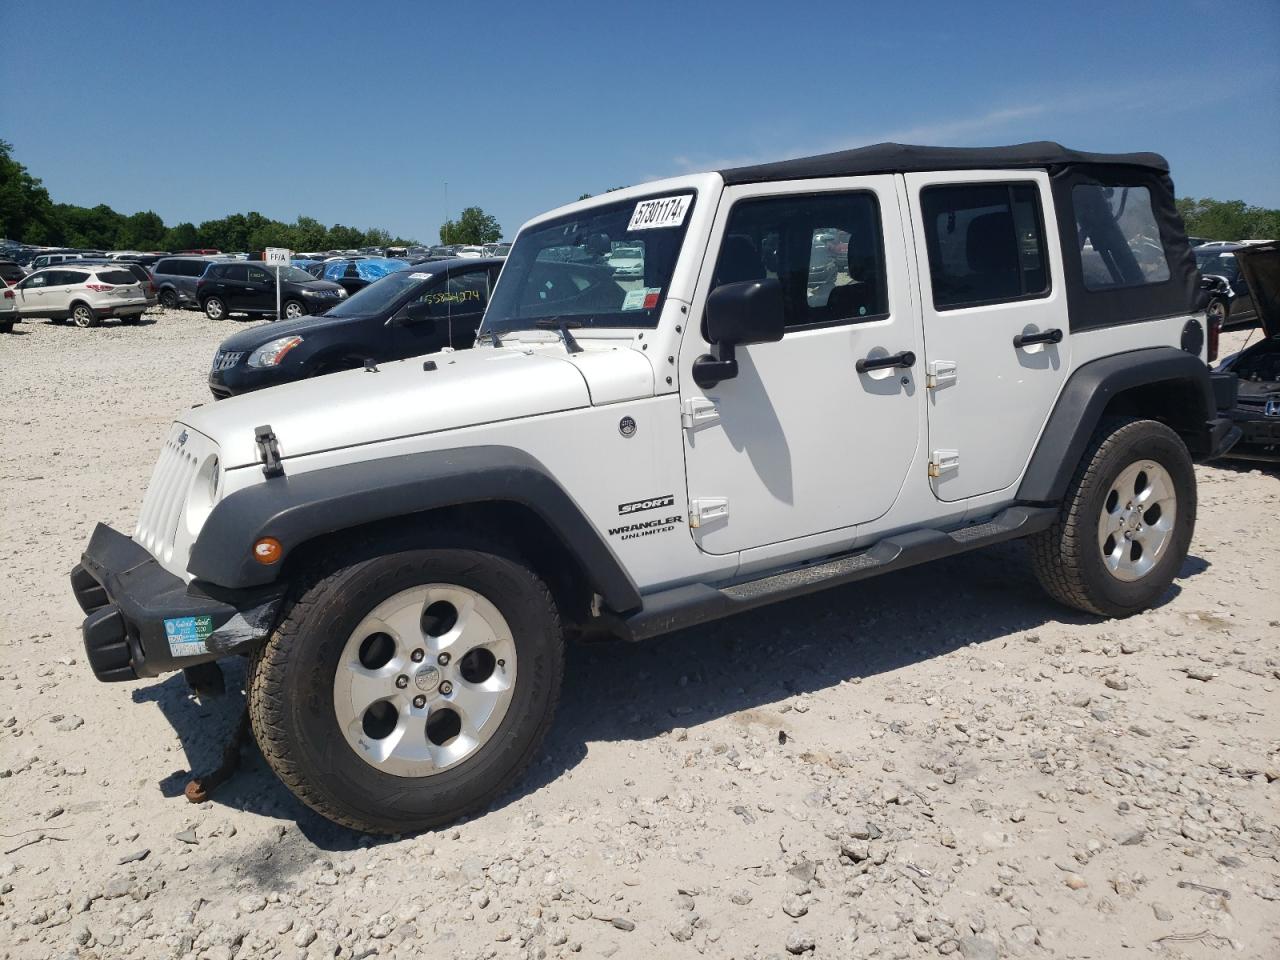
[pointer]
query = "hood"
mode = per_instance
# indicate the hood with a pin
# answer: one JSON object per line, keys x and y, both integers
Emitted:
{"x": 261, "y": 333}
{"x": 1260, "y": 264}
{"x": 467, "y": 388}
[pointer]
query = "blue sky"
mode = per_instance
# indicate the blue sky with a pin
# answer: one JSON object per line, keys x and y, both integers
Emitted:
{"x": 360, "y": 114}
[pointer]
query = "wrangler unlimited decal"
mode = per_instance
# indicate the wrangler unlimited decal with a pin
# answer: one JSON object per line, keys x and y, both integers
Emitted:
{"x": 632, "y": 530}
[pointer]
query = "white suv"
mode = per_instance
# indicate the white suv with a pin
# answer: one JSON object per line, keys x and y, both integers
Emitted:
{"x": 402, "y": 550}
{"x": 84, "y": 294}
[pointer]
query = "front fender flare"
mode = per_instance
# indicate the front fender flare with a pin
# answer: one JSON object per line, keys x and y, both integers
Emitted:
{"x": 298, "y": 507}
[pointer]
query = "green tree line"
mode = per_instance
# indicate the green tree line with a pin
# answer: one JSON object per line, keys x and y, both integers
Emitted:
{"x": 29, "y": 215}
{"x": 1228, "y": 220}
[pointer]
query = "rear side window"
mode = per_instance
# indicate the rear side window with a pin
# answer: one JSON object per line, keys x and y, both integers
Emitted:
{"x": 68, "y": 278}
{"x": 235, "y": 272}
{"x": 117, "y": 277}
{"x": 1120, "y": 242}
{"x": 986, "y": 244}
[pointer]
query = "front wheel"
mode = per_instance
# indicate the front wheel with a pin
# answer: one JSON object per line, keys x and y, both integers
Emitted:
{"x": 1125, "y": 525}
{"x": 169, "y": 299}
{"x": 6, "y": 326}
{"x": 293, "y": 310}
{"x": 407, "y": 688}
{"x": 215, "y": 308}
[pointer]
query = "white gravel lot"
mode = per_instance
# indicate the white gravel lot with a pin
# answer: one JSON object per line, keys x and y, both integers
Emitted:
{"x": 936, "y": 762}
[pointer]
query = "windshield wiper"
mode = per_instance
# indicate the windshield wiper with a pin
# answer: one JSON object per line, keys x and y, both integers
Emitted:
{"x": 563, "y": 326}
{"x": 489, "y": 335}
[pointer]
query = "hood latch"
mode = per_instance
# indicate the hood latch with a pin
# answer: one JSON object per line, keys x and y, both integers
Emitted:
{"x": 268, "y": 452}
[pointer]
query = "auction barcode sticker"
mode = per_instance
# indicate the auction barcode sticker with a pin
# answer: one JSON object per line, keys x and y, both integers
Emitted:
{"x": 663, "y": 212}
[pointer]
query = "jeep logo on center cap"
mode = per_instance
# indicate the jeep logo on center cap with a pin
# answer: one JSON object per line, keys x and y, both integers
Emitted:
{"x": 428, "y": 678}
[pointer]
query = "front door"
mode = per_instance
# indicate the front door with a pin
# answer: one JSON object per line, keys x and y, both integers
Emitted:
{"x": 800, "y": 442}
{"x": 997, "y": 343}
{"x": 34, "y": 294}
{"x": 456, "y": 304}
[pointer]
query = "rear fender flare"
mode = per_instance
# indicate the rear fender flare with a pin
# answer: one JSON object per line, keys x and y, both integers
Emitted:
{"x": 1084, "y": 400}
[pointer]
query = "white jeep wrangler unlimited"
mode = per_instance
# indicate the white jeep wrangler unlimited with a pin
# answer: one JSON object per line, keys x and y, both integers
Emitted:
{"x": 820, "y": 370}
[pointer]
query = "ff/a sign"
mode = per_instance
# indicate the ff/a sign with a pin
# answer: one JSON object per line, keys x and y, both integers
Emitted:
{"x": 278, "y": 256}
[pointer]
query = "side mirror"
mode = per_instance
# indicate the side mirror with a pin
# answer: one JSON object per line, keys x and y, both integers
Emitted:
{"x": 738, "y": 314}
{"x": 413, "y": 314}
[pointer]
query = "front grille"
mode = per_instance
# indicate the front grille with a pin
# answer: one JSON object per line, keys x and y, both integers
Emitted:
{"x": 226, "y": 360}
{"x": 160, "y": 528}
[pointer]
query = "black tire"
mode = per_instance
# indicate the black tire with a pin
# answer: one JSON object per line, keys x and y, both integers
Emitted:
{"x": 84, "y": 316}
{"x": 291, "y": 685}
{"x": 131, "y": 320}
{"x": 169, "y": 298}
{"x": 1218, "y": 309}
{"x": 296, "y": 305}
{"x": 215, "y": 308}
{"x": 1067, "y": 557}
{"x": 6, "y": 326}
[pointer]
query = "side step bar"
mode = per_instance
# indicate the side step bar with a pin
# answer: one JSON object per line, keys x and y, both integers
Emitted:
{"x": 697, "y": 603}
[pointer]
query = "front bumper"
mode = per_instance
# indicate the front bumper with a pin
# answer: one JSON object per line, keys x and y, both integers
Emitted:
{"x": 143, "y": 621}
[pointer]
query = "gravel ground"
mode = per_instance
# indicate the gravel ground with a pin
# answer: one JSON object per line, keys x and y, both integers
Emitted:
{"x": 940, "y": 761}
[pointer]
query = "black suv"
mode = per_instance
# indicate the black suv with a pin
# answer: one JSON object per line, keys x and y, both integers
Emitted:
{"x": 1230, "y": 299}
{"x": 405, "y": 314}
{"x": 240, "y": 287}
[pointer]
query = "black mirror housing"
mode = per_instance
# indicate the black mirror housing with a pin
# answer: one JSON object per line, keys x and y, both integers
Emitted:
{"x": 738, "y": 314}
{"x": 748, "y": 312}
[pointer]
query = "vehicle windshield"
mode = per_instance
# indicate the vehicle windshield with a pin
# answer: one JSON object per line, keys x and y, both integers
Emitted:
{"x": 295, "y": 275}
{"x": 1217, "y": 264}
{"x": 381, "y": 295}
{"x": 566, "y": 269}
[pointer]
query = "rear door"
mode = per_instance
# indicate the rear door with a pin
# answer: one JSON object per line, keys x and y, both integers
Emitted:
{"x": 260, "y": 289}
{"x": 997, "y": 344}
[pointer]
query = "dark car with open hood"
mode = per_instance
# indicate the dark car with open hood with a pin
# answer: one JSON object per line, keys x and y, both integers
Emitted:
{"x": 1257, "y": 367}
{"x": 405, "y": 314}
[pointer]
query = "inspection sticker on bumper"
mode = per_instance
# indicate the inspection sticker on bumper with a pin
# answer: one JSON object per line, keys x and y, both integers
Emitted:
{"x": 663, "y": 212}
{"x": 188, "y": 635}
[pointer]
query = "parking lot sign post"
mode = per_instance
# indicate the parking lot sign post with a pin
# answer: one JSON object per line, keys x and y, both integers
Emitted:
{"x": 278, "y": 257}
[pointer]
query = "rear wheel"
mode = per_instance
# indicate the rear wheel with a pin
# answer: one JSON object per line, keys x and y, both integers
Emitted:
{"x": 1126, "y": 522}
{"x": 6, "y": 326}
{"x": 405, "y": 689}
{"x": 1217, "y": 311}
{"x": 293, "y": 309}
{"x": 84, "y": 316}
{"x": 215, "y": 308}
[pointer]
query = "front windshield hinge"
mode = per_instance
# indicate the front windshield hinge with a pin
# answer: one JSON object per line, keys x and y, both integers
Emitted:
{"x": 562, "y": 326}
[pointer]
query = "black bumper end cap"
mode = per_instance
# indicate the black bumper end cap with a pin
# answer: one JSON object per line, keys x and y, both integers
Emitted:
{"x": 90, "y": 594}
{"x": 106, "y": 645}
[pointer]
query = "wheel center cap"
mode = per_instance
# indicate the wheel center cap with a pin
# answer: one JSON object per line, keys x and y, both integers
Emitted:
{"x": 427, "y": 679}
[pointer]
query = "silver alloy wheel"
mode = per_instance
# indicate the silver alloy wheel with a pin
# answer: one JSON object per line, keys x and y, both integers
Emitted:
{"x": 82, "y": 316}
{"x": 292, "y": 311}
{"x": 214, "y": 308}
{"x": 1137, "y": 521}
{"x": 425, "y": 680}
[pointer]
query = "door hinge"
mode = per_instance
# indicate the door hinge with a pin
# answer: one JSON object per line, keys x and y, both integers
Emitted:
{"x": 940, "y": 373}
{"x": 944, "y": 461}
{"x": 704, "y": 509}
{"x": 697, "y": 412}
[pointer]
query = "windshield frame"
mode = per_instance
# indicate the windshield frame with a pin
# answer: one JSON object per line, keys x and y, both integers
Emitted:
{"x": 585, "y": 323}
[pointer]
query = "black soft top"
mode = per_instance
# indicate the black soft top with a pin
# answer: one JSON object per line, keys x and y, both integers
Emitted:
{"x": 905, "y": 158}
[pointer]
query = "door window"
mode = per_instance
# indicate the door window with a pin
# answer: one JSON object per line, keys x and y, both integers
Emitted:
{"x": 236, "y": 272}
{"x": 461, "y": 293}
{"x": 986, "y": 243}
{"x": 258, "y": 275}
{"x": 826, "y": 250}
{"x": 36, "y": 281}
